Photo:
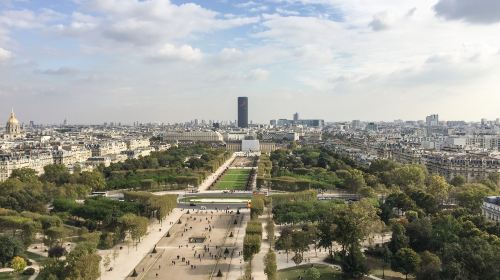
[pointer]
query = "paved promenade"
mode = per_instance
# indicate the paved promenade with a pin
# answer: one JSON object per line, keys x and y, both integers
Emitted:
{"x": 128, "y": 258}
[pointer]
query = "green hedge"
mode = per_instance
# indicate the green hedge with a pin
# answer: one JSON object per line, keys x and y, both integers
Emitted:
{"x": 251, "y": 245}
{"x": 254, "y": 227}
{"x": 309, "y": 195}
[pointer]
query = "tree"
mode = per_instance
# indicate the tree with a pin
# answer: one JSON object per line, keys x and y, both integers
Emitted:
{"x": 408, "y": 176}
{"x": 9, "y": 248}
{"x": 470, "y": 196}
{"x": 399, "y": 239}
{"x": 354, "y": 263}
{"x": 382, "y": 165}
{"x": 270, "y": 231}
{"x": 398, "y": 200}
{"x": 93, "y": 179}
{"x": 83, "y": 263}
{"x": 458, "y": 181}
{"x": 425, "y": 200}
{"x": 300, "y": 242}
{"x": 18, "y": 264}
{"x": 312, "y": 273}
{"x": 257, "y": 207}
{"x": 354, "y": 224}
{"x": 56, "y": 252}
{"x": 285, "y": 240}
{"x": 419, "y": 233}
{"x": 251, "y": 246}
{"x": 473, "y": 258}
{"x": 54, "y": 235}
{"x": 438, "y": 187}
{"x": 137, "y": 226}
{"x": 25, "y": 174}
{"x": 326, "y": 233}
{"x": 56, "y": 173}
{"x": 270, "y": 265}
{"x": 430, "y": 266}
{"x": 355, "y": 181}
{"x": 406, "y": 261}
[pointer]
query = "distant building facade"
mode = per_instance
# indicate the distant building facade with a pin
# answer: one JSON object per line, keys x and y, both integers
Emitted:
{"x": 491, "y": 208}
{"x": 193, "y": 136}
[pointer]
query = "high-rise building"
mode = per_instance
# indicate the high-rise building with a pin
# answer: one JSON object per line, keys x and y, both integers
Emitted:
{"x": 296, "y": 117}
{"x": 432, "y": 120}
{"x": 242, "y": 112}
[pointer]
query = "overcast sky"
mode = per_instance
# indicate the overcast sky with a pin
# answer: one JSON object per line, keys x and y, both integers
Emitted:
{"x": 92, "y": 61}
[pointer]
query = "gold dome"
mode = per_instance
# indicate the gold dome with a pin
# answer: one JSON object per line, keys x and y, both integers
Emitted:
{"x": 12, "y": 119}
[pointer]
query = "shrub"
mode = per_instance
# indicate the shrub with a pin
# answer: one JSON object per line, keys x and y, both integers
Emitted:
{"x": 56, "y": 252}
{"x": 29, "y": 271}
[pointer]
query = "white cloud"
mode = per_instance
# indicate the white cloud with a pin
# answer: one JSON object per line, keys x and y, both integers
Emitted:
{"x": 230, "y": 54}
{"x": 172, "y": 52}
{"x": 80, "y": 24}
{"x": 61, "y": 71}
{"x": 4, "y": 54}
{"x": 287, "y": 12}
{"x": 158, "y": 21}
{"x": 328, "y": 54}
{"x": 28, "y": 18}
{"x": 258, "y": 74}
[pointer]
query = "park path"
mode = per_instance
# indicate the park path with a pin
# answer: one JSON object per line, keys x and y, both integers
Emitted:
{"x": 258, "y": 260}
{"x": 36, "y": 266}
{"x": 128, "y": 258}
{"x": 210, "y": 179}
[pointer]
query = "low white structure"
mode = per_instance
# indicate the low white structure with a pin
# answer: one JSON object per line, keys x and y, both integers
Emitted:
{"x": 250, "y": 146}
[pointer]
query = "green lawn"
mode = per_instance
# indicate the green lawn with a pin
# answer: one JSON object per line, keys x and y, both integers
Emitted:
{"x": 13, "y": 276}
{"x": 233, "y": 179}
{"x": 375, "y": 265}
{"x": 38, "y": 258}
{"x": 292, "y": 273}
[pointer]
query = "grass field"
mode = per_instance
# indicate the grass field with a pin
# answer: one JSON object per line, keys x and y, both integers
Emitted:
{"x": 36, "y": 257}
{"x": 233, "y": 179}
{"x": 293, "y": 273}
{"x": 13, "y": 276}
{"x": 375, "y": 265}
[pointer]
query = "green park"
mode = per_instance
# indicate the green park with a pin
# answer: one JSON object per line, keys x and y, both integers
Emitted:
{"x": 233, "y": 179}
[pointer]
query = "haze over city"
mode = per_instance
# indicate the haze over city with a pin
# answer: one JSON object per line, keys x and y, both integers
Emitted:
{"x": 168, "y": 61}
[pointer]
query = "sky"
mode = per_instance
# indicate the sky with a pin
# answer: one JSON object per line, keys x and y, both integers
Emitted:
{"x": 92, "y": 61}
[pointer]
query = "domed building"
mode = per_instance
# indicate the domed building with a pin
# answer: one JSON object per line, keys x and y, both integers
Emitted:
{"x": 13, "y": 128}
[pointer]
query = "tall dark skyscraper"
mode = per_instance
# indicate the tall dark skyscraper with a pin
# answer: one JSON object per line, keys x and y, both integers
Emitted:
{"x": 243, "y": 112}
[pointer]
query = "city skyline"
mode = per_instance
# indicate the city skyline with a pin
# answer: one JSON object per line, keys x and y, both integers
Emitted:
{"x": 91, "y": 61}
